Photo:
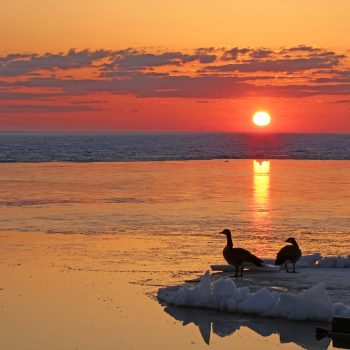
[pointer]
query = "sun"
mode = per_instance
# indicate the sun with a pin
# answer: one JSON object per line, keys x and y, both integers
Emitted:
{"x": 261, "y": 118}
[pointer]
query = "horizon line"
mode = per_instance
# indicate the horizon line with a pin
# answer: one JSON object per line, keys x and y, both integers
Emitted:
{"x": 167, "y": 132}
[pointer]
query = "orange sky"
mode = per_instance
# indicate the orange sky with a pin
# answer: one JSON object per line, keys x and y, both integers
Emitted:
{"x": 198, "y": 66}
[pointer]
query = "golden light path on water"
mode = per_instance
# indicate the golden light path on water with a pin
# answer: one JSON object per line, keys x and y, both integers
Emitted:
{"x": 261, "y": 178}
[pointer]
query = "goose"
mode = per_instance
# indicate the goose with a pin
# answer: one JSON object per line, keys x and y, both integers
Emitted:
{"x": 238, "y": 256}
{"x": 289, "y": 253}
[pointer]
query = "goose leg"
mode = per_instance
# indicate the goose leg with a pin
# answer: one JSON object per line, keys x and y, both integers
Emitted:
{"x": 236, "y": 272}
{"x": 286, "y": 267}
{"x": 242, "y": 268}
{"x": 294, "y": 268}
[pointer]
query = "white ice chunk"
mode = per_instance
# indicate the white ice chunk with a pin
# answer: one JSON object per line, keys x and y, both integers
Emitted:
{"x": 198, "y": 296}
{"x": 340, "y": 309}
{"x": 224, "y": 288}
{"x": 313, "y": 304}
{"x": 309, "y": 260}
{"x": 244, "y": 293}
{"x": 259, "y": 303}
{"x": 232, "y": 305}
{"x": 335, "y": 261}
{"x": 347, "y": 261}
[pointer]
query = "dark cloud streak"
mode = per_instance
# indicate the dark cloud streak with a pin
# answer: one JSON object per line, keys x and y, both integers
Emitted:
{"x": 186, "y": 87}
{"x": 30, "y": 108}
{"x": 279, "y": 65}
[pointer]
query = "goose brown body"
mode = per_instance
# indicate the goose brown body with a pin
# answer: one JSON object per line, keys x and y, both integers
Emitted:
{"x": 289, "y": 254}
{"x": 238, "y": 256}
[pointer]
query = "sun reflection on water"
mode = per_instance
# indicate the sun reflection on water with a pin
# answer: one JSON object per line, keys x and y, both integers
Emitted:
{"x": 261, "y": 187}
{"x": 261, "y": 220}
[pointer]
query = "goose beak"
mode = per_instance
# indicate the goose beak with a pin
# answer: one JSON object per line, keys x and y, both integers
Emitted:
{"x": 221, "y": 233}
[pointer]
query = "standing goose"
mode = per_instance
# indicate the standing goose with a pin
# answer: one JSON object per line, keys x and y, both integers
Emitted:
{"x": 238, "y": 256}
{"x": 289, "y": 253}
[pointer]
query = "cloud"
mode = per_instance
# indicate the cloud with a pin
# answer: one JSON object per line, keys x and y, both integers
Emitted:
{"x": 232, "y": 54}
{"x": 261, "y": 53}
{"x": 342, "y": 101}
{"x": 17, "y": 64}
{"x": 30, "y": 108}
{"x": 206, "y": 50}
{"x": 110, "y": 63}
{"x": 307, "y": 90}
{"x": 145, "y": 86}
{"x": 121, "y": 60}
{"x": 130, "y": 61}
{"x": 185, "y": 86}
{"x": 279, "y": 65}
{"x": 334, "y": 76}
{"x": 301, "y": 48}
{"x": 202, "y": 73}
{"x": 16, "y": 95}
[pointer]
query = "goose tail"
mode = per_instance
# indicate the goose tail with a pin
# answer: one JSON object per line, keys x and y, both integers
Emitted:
{"x": 279, "y": 260}
{"x": 256, "y": 261}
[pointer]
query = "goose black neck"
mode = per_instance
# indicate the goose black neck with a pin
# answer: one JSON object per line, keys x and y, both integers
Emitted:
{"x": 229, "y": 240}
{"x": 295, "y": 244}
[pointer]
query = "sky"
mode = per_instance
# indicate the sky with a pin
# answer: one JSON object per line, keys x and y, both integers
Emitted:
{"x": 174, "y": 66}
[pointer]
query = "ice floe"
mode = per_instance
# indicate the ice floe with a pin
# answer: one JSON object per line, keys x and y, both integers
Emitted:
{"x": 313, "y": 304}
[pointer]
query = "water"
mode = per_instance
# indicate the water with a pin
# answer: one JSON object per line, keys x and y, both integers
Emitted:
{"x": 30, "y": 147}
{"x": 85, "y": 241}
{"x": 185, "y": 202}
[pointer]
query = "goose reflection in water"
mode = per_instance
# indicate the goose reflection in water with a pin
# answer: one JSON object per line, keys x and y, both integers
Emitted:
{"x": 223, "y": 324}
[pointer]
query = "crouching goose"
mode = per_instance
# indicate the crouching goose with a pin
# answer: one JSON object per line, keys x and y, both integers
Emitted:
{"x": 290, "y": 253}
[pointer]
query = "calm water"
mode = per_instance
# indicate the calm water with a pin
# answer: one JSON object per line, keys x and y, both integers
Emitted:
{"x": 187, "y": 201}
{"x": 28, "y": 147}
{"x": 109, "y": 227}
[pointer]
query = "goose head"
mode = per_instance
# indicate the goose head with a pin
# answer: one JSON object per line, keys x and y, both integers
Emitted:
{"x": 225, "y": 232}
{"x": 291, "y": 240}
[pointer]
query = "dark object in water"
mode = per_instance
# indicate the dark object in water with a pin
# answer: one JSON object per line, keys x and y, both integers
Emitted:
{"x": 238, "y": 256}
{"x": 289, "y": 253}
{"x": 341, "y": 325}
{"x": 340, "y": 332}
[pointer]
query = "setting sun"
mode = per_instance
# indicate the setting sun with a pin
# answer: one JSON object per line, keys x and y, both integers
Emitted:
{"x": 261, "y": 118}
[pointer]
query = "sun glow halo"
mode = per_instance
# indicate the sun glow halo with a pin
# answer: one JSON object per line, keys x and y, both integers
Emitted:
{"x": 261, "y": 118}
